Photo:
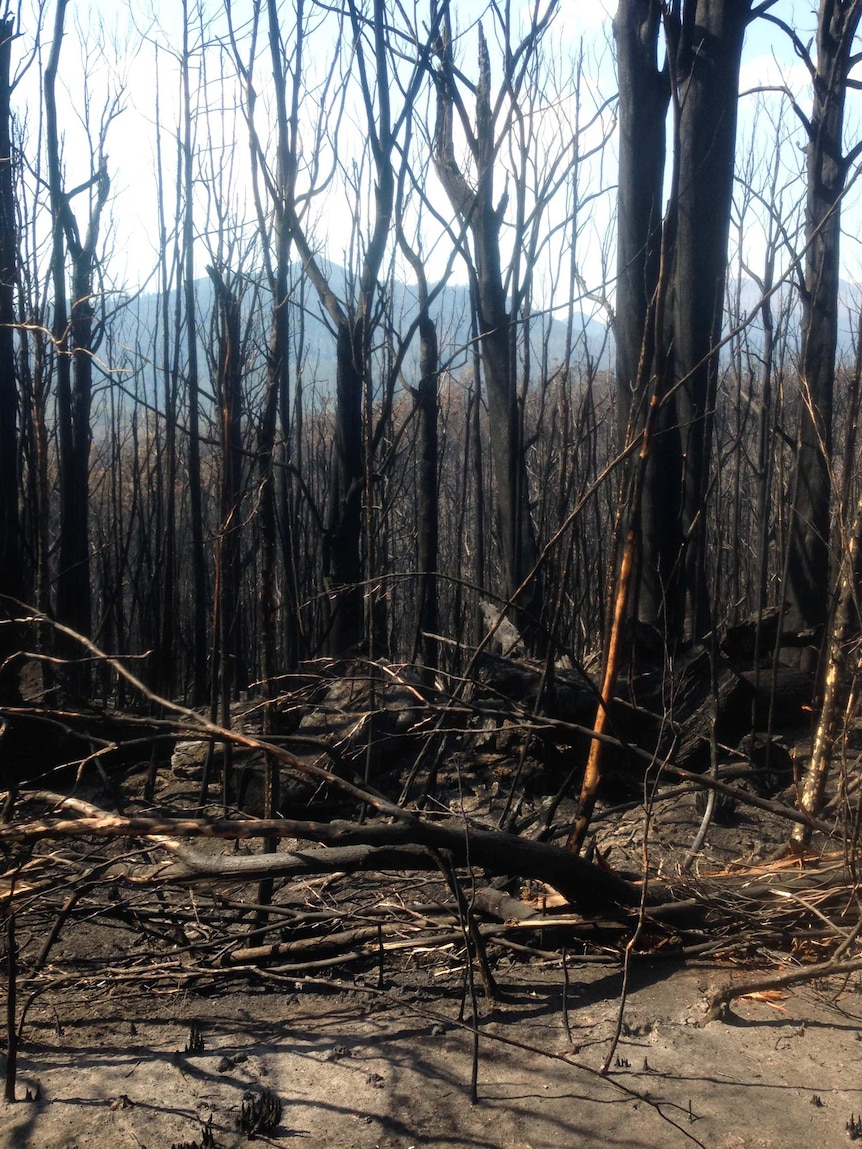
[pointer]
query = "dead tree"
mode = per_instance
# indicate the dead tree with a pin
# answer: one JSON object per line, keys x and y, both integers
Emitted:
{"x": 199, "y": 570}
{"x": 703, "y": 46}
{"x": 662, "y": 551}
{"x": 642, "y": 109}
{"x": 74, "y": 336}
{"x": 482, "y": 215}
{"x": 11, "y": 572}
{"x": 827, "y": 166}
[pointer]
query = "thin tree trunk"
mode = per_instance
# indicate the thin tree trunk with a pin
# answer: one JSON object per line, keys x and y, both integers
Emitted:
{"x": 229, "y": 394}
{"x": 429, "y": 511}
{"x": 808, "y": 560}
{"x": 73, "y": 335}
{"x": 166, "y": 674}
{"x": 477, "y": 210}
{"x": 11, "y": 572}
{"x": 199, "y": 572}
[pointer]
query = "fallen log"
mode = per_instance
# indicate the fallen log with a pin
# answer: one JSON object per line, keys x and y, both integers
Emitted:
{"x": 407, "y": 844}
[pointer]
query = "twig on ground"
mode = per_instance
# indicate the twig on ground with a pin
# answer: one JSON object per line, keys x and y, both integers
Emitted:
{"x": 719, "y": 1001}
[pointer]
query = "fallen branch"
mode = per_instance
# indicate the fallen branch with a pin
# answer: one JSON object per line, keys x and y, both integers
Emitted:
{"x": 719, "y": 1002}
{"x": 371, "y": 845}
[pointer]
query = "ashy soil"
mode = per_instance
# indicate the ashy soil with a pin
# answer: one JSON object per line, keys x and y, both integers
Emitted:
{"x": 364, "y": 1058}
{"x": 393, "y": 1068}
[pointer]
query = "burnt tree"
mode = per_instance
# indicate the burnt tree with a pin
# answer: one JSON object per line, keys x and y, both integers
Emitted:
{"x": 75, "y": 339}
{"x": 827, "y": 166}
{"x": 643, "y": 101}
{"x": 473, "y": 201}
{"x": 678, "y": 377}
{"x": 11, "y": 573}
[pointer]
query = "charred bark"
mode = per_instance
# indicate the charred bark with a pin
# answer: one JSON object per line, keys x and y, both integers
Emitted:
{"x": 429, "y": 513}
{"x": 477, "y": 210}
{"x": 808, "y": 560}
{"x": 11, "y": 556}
{"x": 643, "y": 101}
{"x": 75, "y": 339}
{"x": 199, "y": 570}
{"x": 703, "y": 44}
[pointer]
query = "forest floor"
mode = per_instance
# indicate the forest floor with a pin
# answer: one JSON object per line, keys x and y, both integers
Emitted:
{"x": 393, "y": 1068}
{"x": 365, "y": 1054}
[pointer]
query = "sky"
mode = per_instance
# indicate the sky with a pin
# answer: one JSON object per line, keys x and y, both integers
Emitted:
{"x": 123, "y": 42}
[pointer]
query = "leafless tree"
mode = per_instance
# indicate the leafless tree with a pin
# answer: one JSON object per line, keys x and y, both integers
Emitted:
{"x": 75, "y": 338}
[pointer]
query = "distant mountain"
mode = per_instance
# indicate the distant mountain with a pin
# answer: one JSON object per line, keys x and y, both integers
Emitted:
{"x": 745, "y": 298}
{"x": 137, "y": 331}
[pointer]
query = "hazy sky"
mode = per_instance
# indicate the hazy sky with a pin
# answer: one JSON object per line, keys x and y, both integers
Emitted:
{"x": 122, "y": 43}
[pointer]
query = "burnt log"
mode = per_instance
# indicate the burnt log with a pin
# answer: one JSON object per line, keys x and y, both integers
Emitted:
{"x": 747, "y": 702}
{"x": 569, "y": 698}
{"x": 729, "y": 713}
{"x": 673, "y": 715}
{"x": 409, "y": 843}
{"x": 783, "y": 696}
{"x": 754, "y": 637}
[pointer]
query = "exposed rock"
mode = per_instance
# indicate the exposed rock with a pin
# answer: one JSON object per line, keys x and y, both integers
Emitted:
{"x": 506, "y": 639}
{"x": 378, "y": 705}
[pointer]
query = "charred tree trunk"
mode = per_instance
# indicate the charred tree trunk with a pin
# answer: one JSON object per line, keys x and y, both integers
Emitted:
{"x": 476, "y": 209}
{"x": 226, "y": 662}
{"x": 278, "y": 383}
{"x": 643, "y": 102}
{"x": 475, "y": 455}
{"x": 11, "y": 572}
{"x": 704, "y": 43}
{"x": 808, "y": 560}
{"x": 343, "y": 568}
{"x": 199, "y": 571}
{"x": 229, "y": 395}
{"x": 166, "y": 658}
{"x": 74, "y": 342}
{"x": 708, "y": 79}
{"x": 429, "y": 511}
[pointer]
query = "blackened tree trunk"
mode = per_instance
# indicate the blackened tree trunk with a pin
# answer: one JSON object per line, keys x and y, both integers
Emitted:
{"x": 808, "y": 560}
{"x": 343, "y": 566}
{"x": 74, "y": 535}
{"x": 227, "y": 655}
{"x": 199, "y": 572}
{"x": 70, "y": 609}
{"x": 429, "y": 511}
{"x": 13, "y": 586}
{"x": 73, "y": 338}
{"x": 228, "y": 389}
{"x": 708, "y": 82}
{"x": 476, "y": 455}
{"x": 477, "y": 210}
{"x": 643, "y": 102}
{"x": 427, "y": 498}
{"x": 11, "y": 572}
{"x": 171, "y": 337}
{"x": 704, "y": 43}
{"x": 278, "y": 369}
